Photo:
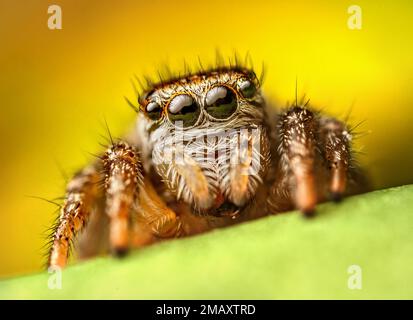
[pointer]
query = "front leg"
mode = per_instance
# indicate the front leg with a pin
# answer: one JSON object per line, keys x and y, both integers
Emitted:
{"x": 127, "y": 198}
{"x": 295, "y": 184}
{"x": 120, "y": 169}
{"x": 123, "y": 175}
{"x": 130, "y": 196}
{"x": 81, "y": 194}
{"x": 315, "y": 162}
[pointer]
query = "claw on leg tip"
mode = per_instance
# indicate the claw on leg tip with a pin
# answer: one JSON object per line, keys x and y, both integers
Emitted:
{"x": 119, "y": 252}
{"x": 336, "y": 196}
{"x": 308, "y": 213}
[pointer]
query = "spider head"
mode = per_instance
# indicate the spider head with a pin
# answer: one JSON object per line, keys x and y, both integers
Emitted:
{"x": 206, "y": 138}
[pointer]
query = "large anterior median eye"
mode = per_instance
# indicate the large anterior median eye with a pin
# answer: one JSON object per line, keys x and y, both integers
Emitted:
{"x": 183, "y": 108}
{"x": 221, "y": 102}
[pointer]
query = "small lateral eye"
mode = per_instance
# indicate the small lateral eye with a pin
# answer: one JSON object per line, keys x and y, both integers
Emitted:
{"x": 183, "y": 108}
{"x": 221, "y": 102}
{"x": 153, "y": 110}
{"x": 247, "y": 88}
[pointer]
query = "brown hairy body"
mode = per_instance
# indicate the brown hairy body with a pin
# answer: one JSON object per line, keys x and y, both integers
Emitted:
{"x": 207, "y": 152}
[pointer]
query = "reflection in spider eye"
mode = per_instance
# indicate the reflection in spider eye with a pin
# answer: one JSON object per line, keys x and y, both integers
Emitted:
{"x": 183, "y": 108}
{"x": 153, "y": 110}
{"x": 247, "y": 88}
{"x": 221, "y": 102}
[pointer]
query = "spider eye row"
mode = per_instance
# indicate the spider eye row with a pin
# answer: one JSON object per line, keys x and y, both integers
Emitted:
{"x": 221, "y": 102}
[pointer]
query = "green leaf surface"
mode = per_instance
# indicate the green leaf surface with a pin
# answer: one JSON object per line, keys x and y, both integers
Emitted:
{"x": 277, "y": 257}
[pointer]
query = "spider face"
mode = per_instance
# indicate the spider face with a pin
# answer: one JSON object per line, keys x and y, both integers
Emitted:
{"x": 216, "y": 96}
{"x": 205, "y": 137}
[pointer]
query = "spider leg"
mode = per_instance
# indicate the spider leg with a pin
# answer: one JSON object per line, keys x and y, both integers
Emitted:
{"x": 335, "y": 147}
{"x": 344, "y": 177}
{"x": 81, "y": 193}
{"x": 94, "y": 237}
{"x": 297, "y": 148}
{"x": 154, "y": 219}
{"x": 123, "y": 175}
{"x": 315, "y": 162}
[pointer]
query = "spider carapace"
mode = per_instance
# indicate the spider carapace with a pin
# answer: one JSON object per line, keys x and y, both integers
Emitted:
{"x": 207, "y": 151}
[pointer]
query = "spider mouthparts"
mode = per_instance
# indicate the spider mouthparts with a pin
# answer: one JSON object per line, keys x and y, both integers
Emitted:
{"x": 226, "y": 209}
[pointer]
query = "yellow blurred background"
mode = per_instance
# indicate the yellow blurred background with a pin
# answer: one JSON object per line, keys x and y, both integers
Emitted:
{"x": 58, "y": 86}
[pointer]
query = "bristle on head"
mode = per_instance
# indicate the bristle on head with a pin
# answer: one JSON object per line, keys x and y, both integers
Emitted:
{"x": 165, "y": 76}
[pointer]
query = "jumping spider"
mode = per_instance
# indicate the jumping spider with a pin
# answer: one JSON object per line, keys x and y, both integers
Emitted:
{"x": 206, "y": 152}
